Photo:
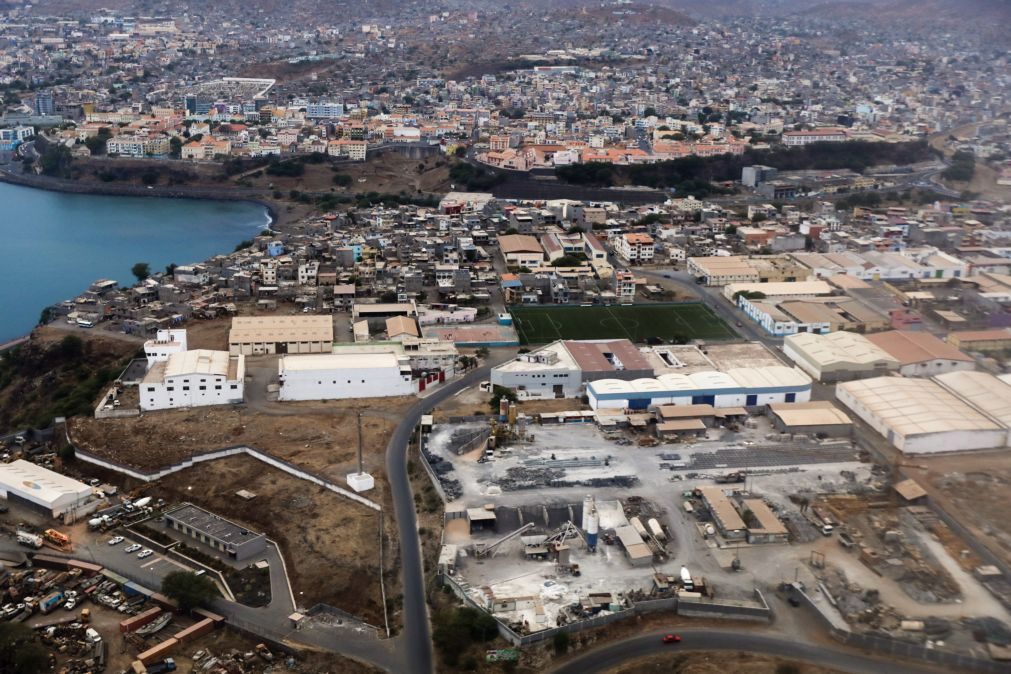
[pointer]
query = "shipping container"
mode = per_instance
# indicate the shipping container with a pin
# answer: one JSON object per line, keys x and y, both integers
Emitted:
{"x": 162, "y": 650}
{"x": 196, "y": 631}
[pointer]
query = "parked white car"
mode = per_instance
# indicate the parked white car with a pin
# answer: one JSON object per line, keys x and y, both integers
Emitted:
{"x": 146, "y": 552}
{"x": 116, "y": 540}
{"x": 132, "y": 548}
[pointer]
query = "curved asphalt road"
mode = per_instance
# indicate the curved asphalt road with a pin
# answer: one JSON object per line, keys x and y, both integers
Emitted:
{"x": 607, "y": 657}
{"x": 417, "y": 637}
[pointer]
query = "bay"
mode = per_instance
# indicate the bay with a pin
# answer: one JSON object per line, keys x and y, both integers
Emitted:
{"x": 54, "y": 245}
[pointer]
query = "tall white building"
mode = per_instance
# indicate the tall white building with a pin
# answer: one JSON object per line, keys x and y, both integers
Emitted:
{"x": 194, "y": 379}
{"x": 165, "y": 343}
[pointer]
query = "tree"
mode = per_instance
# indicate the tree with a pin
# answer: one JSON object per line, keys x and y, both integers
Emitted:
{"x": 175, "y": 147}
{"x": 561, "y": 643}
{"x": 141, "y": 270}
{"x": 71, "y": 347}
{"x": 170, "y": 269}
{"x": 189, "y": 589}
{"x": 19, "y": 652}
{"x": 342, "y": 180}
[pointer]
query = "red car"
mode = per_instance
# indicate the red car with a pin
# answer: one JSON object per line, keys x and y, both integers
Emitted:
{"x": 671, "y": 638}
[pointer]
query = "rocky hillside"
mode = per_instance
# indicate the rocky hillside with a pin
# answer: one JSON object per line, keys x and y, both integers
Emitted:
{"x": 57, "y": 374}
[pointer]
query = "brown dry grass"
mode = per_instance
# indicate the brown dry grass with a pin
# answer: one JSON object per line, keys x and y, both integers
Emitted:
{"x": 391, "y": 173}
{"x": 718, "y": 663}
{"x": 329, "y": 542}
{"x": 320, "y": 437}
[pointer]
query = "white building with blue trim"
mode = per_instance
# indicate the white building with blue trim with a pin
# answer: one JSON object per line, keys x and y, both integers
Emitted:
{"x": 738, "y": 387}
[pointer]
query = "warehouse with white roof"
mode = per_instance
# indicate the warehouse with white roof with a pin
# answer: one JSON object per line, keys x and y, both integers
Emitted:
{"x": 838, "y": 356}
{"x": 345, "y": 375}
{"x": 982, "y": 390}
{"x": 193, "y": 379}
{"x": 737, "y": 387}
{"x": 920, "y": 416}
{"x": 40, "y": 488}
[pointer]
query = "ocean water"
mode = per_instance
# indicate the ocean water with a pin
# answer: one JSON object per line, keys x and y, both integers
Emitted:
{"x": 53, "y": 245}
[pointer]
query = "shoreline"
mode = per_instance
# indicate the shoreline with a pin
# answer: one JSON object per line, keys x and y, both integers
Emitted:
{"x": 59, "y": 185}
{"x": 156, "y": 191}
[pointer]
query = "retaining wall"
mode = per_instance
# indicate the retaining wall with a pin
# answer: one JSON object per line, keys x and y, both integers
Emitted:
{"x": 213, "y": 455}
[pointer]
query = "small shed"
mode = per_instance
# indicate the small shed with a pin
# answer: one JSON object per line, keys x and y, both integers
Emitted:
{"x": 682, "y": 428}
{"x": 910, "y": 491}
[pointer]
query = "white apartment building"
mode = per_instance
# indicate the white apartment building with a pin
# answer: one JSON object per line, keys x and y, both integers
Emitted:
{"x": 193, "y": 379}
{"x": 624, "y": 286}
{"x": 634, "y": 247}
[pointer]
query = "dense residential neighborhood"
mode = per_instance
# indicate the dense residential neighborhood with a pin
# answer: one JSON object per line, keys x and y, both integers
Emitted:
{"x": 505, "y": 337}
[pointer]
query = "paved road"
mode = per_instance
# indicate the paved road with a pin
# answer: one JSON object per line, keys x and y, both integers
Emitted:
{"x": 417, "y": 639}
{"x": 607, "y": 657}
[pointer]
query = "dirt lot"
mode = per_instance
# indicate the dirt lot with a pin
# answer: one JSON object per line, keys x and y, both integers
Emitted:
{"x": 705, "y": 663}
{"x": 322, "y": 438}
{"x": 329, "y": 542}
{"x": 975, "y": 489}
{"x": 391, "y": 174}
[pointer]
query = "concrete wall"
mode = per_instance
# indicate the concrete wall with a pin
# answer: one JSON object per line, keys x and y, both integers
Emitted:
{"x": 213, "y": 455}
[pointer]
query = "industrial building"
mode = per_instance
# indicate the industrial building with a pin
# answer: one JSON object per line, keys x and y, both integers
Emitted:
{"x": 920, "y": 354}
{"x": 982, "y": 390}
{"x": 737, "y": 387}
{"x": 562, "y": 369}
{"x": 40, "y": 488}
{"x": 193, "y": 379}
{"x": 779, "y": 289}
{"x": 920, "y": 416}
{"x": 260, "y": 335}
{"x": 820, "y": 315}
{"x": 636, "y": 550}
{"x": 983, "y": 341}
{"x": 817, "y": 417}
{"x": 344, "y": 375}
{"x": 766, "y": 527}
{"x": 234, "y": 540}
{"x": 838, "y": 356}
{"x": 729, "y": 522}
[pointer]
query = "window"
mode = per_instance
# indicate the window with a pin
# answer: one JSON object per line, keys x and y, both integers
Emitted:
{"x": 203, "y": 388}
{"x": 150, "y": 389}
{"x": 217, "y": 387}
{"x": 186, "y": 388}
{"x": 235, "y": 386}
{"x": 170, "y": 388}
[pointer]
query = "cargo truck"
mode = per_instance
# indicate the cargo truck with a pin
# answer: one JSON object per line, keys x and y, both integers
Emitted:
{"x": 31, "y": 540}
{"x": 51, "y": 601}
{"x": 686, "y": 580}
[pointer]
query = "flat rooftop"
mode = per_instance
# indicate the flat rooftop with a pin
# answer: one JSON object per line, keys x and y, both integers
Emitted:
{"x": 211, "y": 525}
{"x": 336, "y": 361}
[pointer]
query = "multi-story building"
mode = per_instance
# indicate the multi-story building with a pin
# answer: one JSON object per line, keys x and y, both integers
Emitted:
{"x": 634, "y": 247}
{"x": 194, "y": 379}
{"x": 624, "y": 286}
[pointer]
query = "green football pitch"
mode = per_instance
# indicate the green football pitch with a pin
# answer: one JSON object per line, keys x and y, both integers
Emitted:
{"x": 668, "y": 322}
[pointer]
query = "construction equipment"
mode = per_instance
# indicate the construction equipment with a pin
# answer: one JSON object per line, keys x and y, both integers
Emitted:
{"x": 485, "y": 549}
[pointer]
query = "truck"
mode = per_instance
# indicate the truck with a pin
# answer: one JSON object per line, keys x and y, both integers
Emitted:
{"x": 100, "y": 522}
{"x": 166, "y": 665}
{"x": 57, "y": 538}
{"x": 51, "y": 601}
{"x": 31, "y": 540}
{"x": 823, "y": 521}
{"x": 730, "y": 478}
{"x": 686, "y": 580}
